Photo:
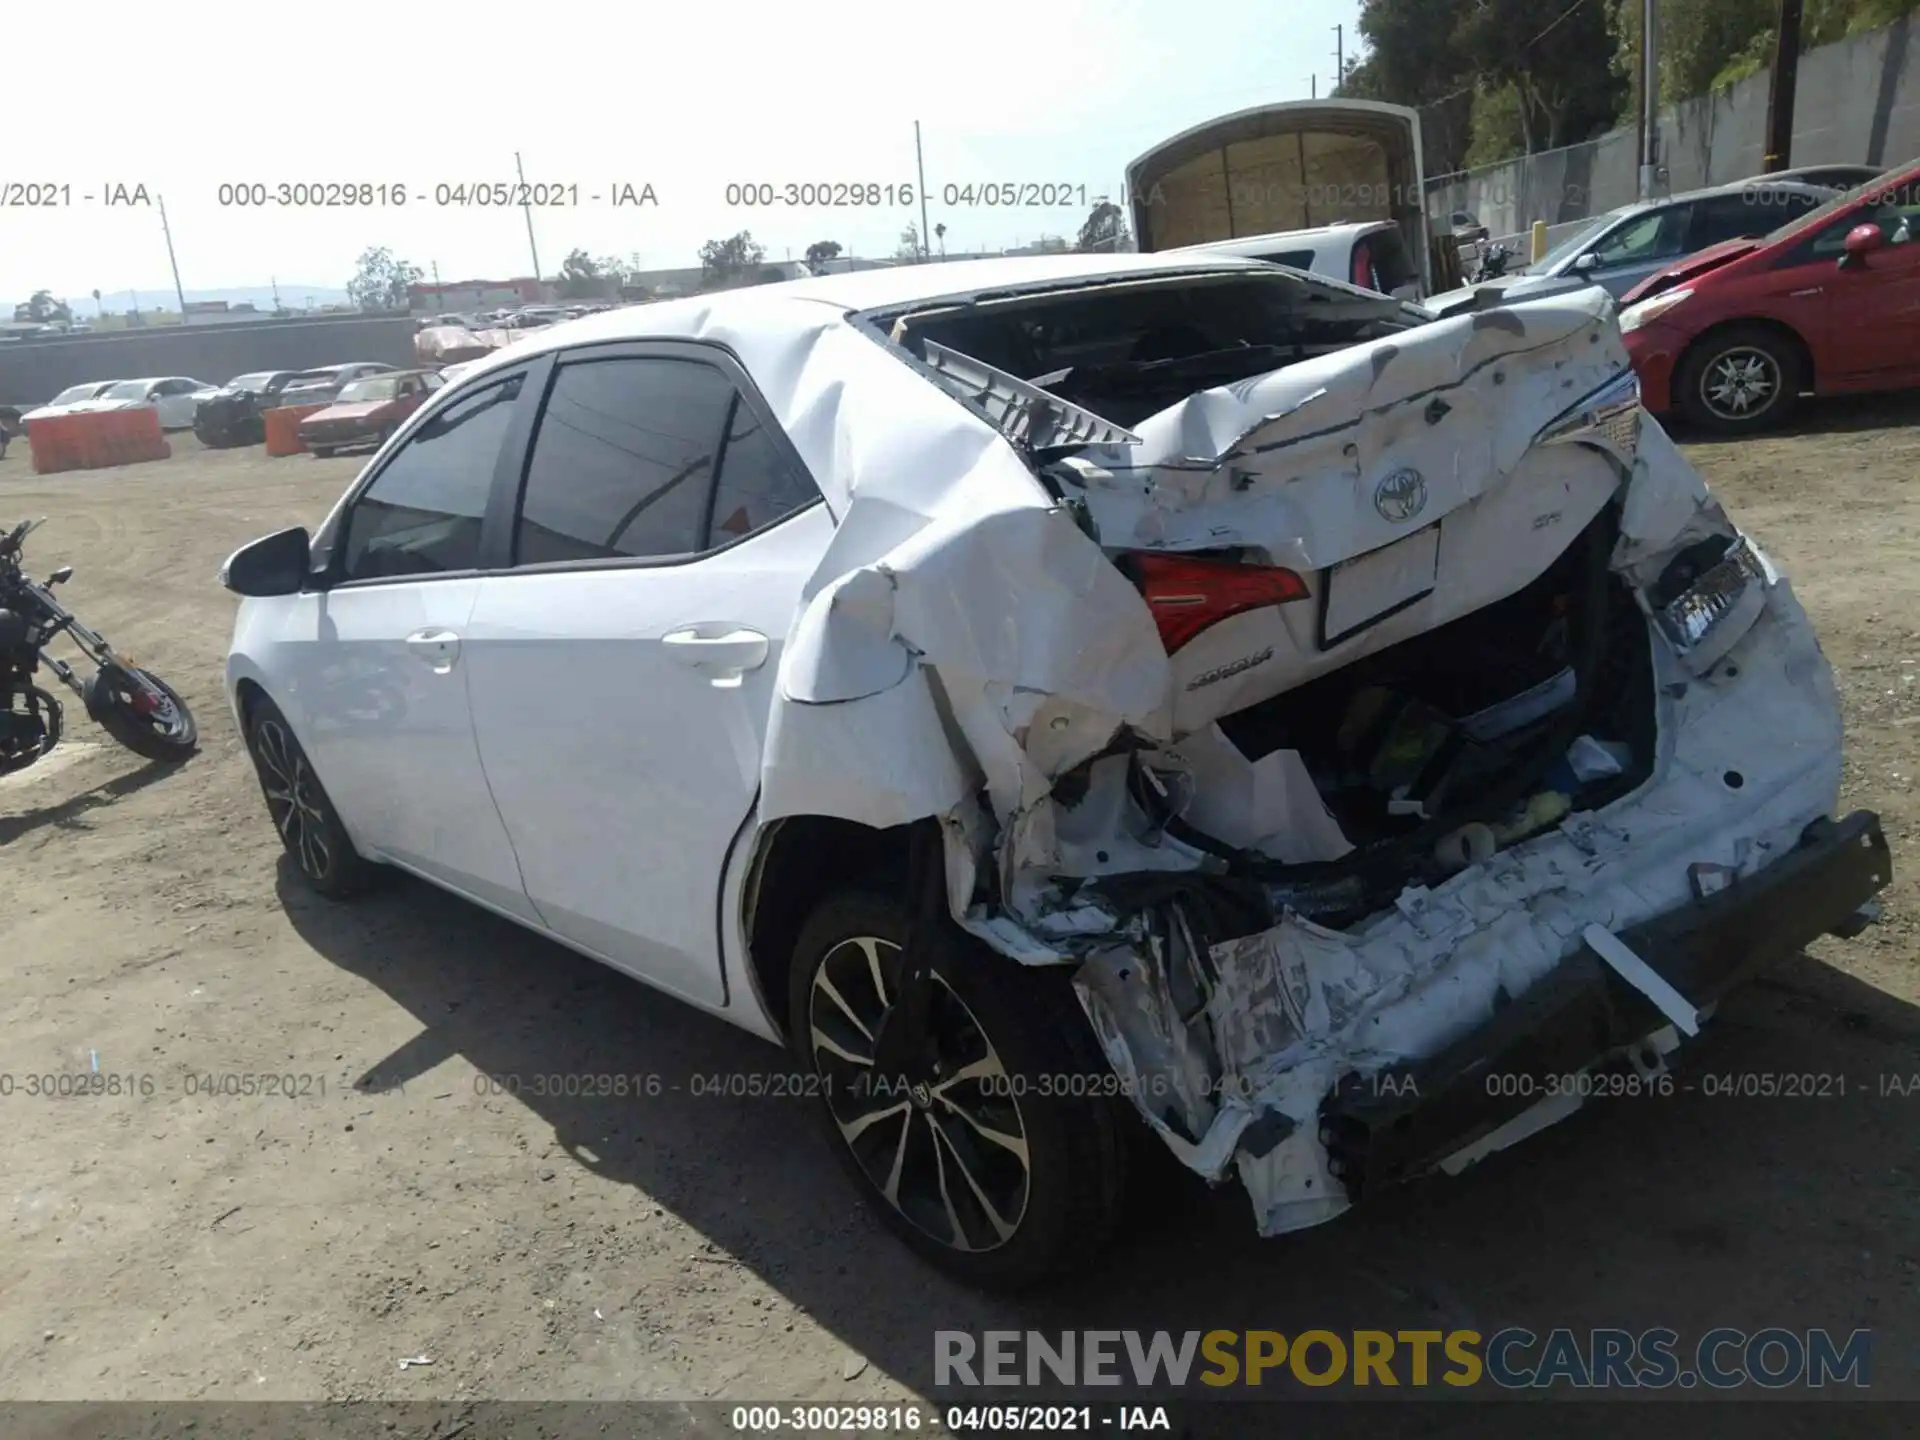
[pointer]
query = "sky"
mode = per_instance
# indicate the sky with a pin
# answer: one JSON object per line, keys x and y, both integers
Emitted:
{"x": 688, "y": 99}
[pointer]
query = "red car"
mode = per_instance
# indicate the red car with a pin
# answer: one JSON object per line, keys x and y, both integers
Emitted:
{"x": 367, "y": 411}
{"x": 1830, "y": 303}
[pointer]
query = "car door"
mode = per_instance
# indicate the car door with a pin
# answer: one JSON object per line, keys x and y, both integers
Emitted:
{"x": 1860, "y": 319}
{"x": 1875, "y": 301}
{"x": 1638, "y": 246}
{"x": 378, "y": 693}
{"x": 622, "y": 667}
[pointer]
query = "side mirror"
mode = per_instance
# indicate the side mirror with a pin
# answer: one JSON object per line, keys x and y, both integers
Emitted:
{"x": 276, "y": 564}
{"x": 60, "y": 576}
{"x": 1861, "y": 242}
{"x": 1586, "y": 262}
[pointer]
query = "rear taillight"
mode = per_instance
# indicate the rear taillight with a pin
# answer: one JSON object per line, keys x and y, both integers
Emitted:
{"x": 1187, "y": 595}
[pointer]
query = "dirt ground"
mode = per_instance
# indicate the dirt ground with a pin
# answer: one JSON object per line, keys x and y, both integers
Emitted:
{"x": 176, "y": 1246}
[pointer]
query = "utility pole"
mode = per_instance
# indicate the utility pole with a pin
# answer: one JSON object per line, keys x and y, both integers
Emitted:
{"x": 1339, "y": 58}
{"x": 532, "y": 248}
{"x": 1313, "y": 86}
{"x": 920, "y": 159}
{"x": 1649, "y": 99}
{"x": 1786, "y": 73}
{"x": 167, "y": 230}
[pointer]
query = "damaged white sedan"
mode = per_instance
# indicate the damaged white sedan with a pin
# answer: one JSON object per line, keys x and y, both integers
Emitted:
{"x": 1052, "y": 692}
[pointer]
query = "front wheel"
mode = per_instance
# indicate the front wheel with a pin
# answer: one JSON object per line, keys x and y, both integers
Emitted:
{"x": 322, "y": 452}
{"x": 993, "y": 1144}
{"x": 309, "y": 826}
{"x": 1740, "y": 380}
{"x": 150, "y": 720}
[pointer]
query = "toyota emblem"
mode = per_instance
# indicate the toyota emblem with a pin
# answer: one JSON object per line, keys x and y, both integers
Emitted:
{"x": 1400, "y": 496}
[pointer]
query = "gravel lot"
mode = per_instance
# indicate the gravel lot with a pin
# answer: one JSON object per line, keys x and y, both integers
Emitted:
{"x": 226, "y": 1247}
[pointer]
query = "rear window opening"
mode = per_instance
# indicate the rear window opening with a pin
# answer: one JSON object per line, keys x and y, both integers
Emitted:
{"x": 1128, "y": 350}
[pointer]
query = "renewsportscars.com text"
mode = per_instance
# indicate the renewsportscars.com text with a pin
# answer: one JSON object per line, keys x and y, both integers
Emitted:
{"x": 1774, "y": 1358}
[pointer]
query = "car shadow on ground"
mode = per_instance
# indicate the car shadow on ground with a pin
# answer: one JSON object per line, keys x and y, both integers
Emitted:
{"x": 1690, "y": 1211}
{"x": 1823, "y": 415}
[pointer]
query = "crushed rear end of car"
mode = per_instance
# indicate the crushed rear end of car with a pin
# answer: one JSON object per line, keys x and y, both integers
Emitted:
{"x": 1377, "y": 713}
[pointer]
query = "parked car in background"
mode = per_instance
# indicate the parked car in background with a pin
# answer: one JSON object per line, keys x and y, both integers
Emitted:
{"x": 73, "y": 395}
{"x": 327, "y": 381}
{"x": 1831, "y": 177}
{"x": 232, "y": 415}
{"x": 464, "y": 322}
{"x": 1371, "y": 254}
{"x": 369, "y": 410}
{"x": 174, "y": 397}
{"x": 1621, "y": 248}
{"x": 1467, "y": 229}
{"x": 1069, "y": 697}
{"x": 1732, "y": 338}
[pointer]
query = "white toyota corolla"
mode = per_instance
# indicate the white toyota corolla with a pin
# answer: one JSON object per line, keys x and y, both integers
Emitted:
{"x": 1055, "y": 694}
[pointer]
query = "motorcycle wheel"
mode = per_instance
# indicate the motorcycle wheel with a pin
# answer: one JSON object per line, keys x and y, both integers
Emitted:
{"x": 159, "y": 732}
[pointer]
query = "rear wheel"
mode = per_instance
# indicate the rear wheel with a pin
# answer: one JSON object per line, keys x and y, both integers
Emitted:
{"x": 993, "y": 1145}
{"x": 322, "y": 452}
{"x": 148, "y": 718}
{"x": 308, "y": 824}
{"x": 1740, "y": 380}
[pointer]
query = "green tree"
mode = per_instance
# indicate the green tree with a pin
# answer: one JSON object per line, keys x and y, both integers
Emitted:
{"x": 1105, "y": 229}
{"x": 1546, "y": 56}
{"x": 381, "y": 282}
{"x": 735, "y": 260}
{"x": 43, "y": 309}
{"x": 821, "y": 251}
{"x": 580, "y": 277}
{"x": 909, "y": 247}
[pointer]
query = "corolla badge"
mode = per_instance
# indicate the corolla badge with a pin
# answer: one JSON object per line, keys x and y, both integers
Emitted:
{"x": 1401, "y": 495}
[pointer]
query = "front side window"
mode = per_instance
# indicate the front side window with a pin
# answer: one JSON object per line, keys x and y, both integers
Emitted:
{"x": 422, "y": 513}
{"x": 1656, "y": 235}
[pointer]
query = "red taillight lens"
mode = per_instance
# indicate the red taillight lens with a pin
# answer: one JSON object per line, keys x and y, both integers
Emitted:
{"x": 1186, "y": 595}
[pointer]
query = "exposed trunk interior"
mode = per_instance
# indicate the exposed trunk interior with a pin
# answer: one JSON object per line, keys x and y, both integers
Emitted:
{"x": 1442, "y": 750}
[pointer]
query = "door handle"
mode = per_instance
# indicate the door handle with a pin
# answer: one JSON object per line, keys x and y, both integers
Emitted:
{"x": 439, "y": 649}
{"x": 726, "y": 657}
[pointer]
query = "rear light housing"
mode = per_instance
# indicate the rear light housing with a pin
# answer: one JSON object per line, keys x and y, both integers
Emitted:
{"x": 1188, "y": 594}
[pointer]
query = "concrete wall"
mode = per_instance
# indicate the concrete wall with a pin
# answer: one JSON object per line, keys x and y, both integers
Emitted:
{"x": 1858, "y": 101}
{"x": 34, "y": 371}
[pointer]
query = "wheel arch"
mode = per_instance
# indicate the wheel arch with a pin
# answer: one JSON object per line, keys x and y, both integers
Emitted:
{"x": 796, "y": 861}
{"x": 1803, "y": 351}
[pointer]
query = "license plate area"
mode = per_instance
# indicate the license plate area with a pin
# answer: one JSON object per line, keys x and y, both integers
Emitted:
{"x": 1358, "y": 594}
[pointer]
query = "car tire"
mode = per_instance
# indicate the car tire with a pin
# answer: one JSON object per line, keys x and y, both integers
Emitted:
{"x": 1740, "y": 380}
{"x": 297, "y": 803}
{"x": 322, "y": 452}
{"x": 1024, "y": 1132}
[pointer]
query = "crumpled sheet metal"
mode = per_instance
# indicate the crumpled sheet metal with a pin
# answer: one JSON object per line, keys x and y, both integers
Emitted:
{"x": 949, "y": 555}
{"x": 1298, "y": 1006}
{"x": 1285, "y": 461}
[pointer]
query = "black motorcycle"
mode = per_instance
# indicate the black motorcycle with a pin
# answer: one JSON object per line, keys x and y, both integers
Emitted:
{"x": 134, "y": 706}
{"x": 1494, "y": 261}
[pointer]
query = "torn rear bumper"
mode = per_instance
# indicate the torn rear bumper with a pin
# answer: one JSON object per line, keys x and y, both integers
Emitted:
{"x": 1382, "y": 1128}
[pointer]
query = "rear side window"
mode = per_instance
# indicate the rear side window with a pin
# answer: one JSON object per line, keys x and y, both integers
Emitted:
{"x": 1292, "y": 259}
{"x": 648, "y": 458}
{"x": 421, "y": 515}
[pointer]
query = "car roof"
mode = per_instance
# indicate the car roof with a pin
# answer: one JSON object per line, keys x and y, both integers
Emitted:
{"x": 1348, "y": 231}
{"x": 795, "y": 304}
{"x": 1737, "y": 187}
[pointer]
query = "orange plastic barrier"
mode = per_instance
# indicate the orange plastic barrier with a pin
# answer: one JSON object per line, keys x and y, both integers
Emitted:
{"x": 93, "y": 441}
{"x": 283, "y": 428}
